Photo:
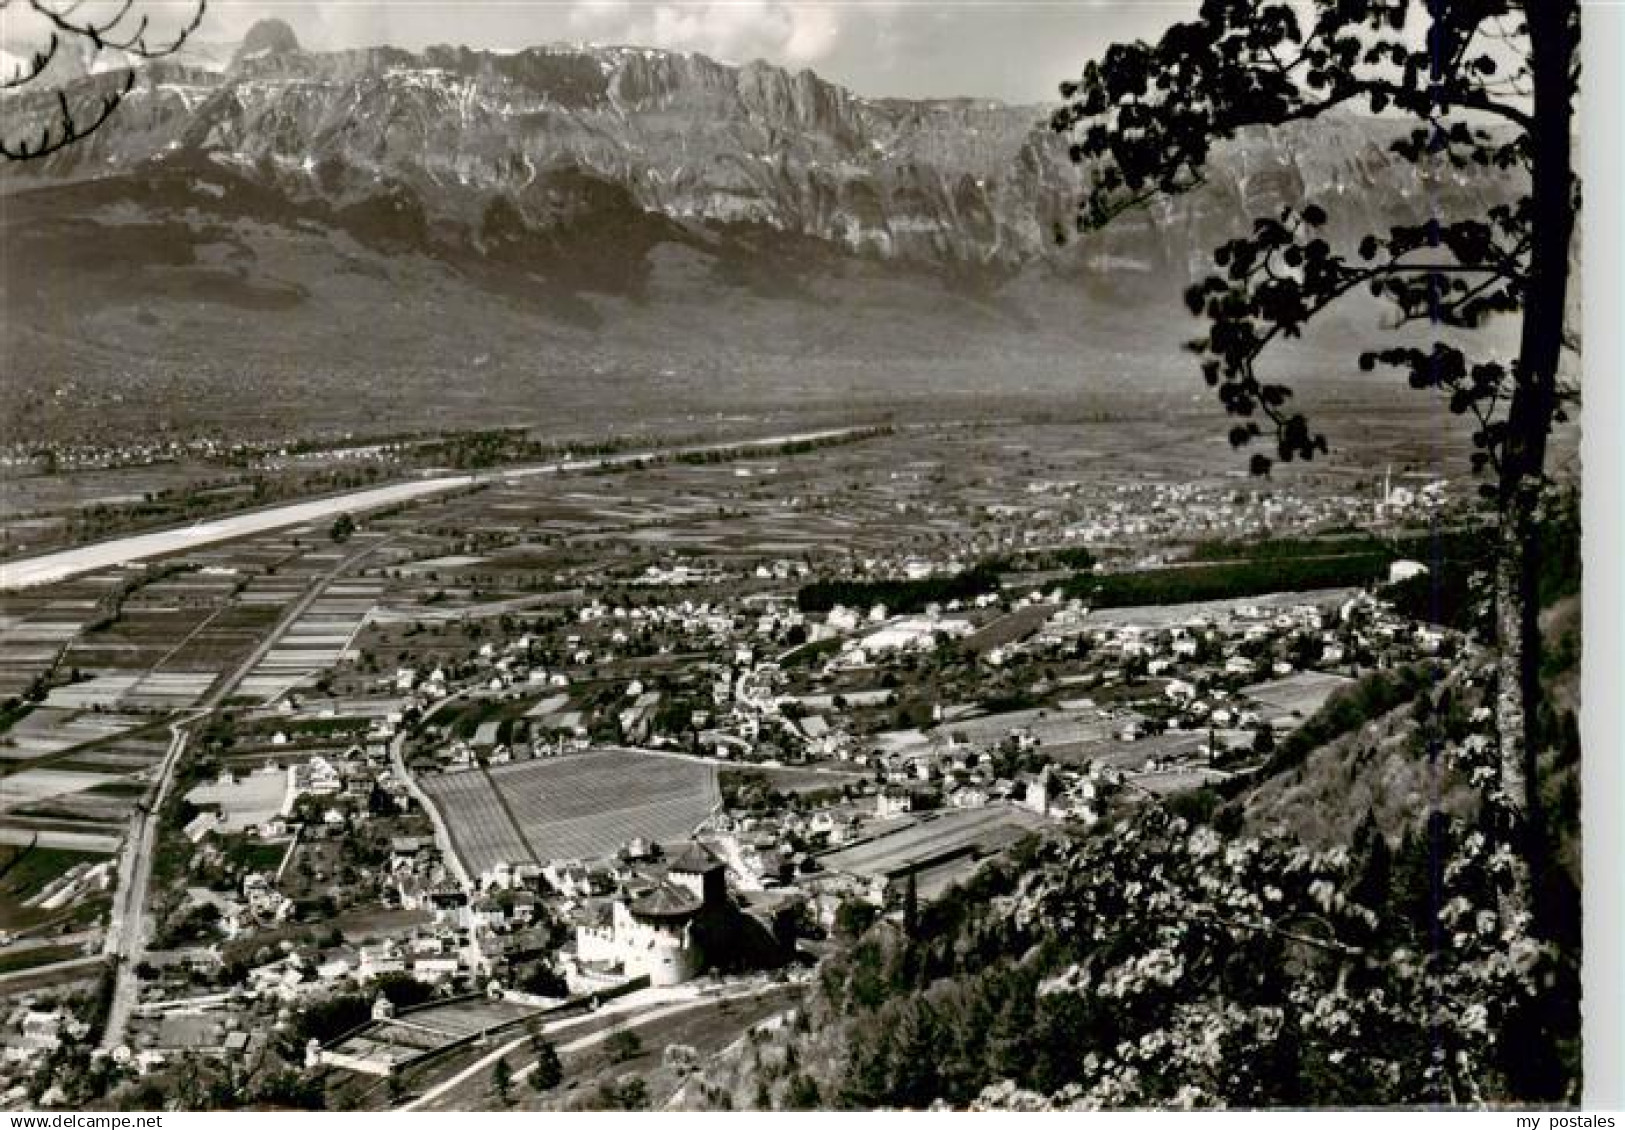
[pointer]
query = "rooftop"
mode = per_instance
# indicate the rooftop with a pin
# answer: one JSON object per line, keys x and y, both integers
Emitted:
{"x": 665, "y": 901}
{"x": 695, "y": 859}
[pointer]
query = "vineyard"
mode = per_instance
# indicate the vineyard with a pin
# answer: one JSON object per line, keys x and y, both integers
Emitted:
{"x": 481, "y": 830}
{"x": 584, "y": 806}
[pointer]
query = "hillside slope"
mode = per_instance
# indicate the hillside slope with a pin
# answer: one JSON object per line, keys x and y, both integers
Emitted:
{"x": 563, "y": 225}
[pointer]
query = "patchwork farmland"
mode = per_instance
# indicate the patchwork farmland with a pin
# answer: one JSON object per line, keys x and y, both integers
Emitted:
{"x": 584, "y": 806}
{"x": 316, "y": 641}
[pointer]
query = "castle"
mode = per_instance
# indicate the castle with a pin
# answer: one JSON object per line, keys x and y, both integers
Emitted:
{"x": 649, "y": 929}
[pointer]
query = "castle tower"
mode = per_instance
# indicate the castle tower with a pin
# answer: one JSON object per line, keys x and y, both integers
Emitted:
{"x": 699, "y": 872}
{"x": 658, "y": 939}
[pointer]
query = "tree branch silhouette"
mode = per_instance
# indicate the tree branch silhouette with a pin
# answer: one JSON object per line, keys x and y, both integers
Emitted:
{"x": 67, "y": 124}
{"x": 1144, "y": 118}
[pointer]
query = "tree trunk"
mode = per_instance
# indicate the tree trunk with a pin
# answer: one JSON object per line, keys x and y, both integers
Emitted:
{"x": 1553, "y": 28}
{"x": 1517, "y": 630}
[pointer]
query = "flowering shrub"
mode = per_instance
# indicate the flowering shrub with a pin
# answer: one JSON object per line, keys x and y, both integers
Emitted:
{"x": 1157, "y": 963}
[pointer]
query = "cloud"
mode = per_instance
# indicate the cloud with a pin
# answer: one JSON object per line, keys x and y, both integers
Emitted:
{"x": 1018, "y": 50}
{"x": 730, "y": 30}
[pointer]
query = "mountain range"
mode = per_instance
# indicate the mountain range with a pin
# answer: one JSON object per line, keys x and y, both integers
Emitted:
{"x": 537, "y": 215}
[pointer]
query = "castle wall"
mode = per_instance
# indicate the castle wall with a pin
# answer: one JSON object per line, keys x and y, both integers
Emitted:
{"x": 663, "y": 953}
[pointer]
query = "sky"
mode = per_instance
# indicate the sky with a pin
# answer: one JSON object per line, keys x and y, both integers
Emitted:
{"x": 1014, "y": 50}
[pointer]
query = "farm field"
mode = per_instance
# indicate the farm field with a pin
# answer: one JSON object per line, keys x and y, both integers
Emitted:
{"x": 1173, "y": 615}
{"x": 314, "y": 642}
{"x": 26, "y": 870}
{"x": 48, "y": 731}
{"x": 1056, "y": 730}
{"x": 481, "y": 829}
{"x": 1155, "y": 747}
{"x": 788, "y": 779}
{"x": 1169, "y": 781}
{"x": 1008, "y": 629}
{"x": 73, "y": 779}
{"x": 101, "y": 692}
{"x": 588, "y": 805}
{"x": 34, "y": 785}
{"x": 849, "y": 698}
{"x": 248, "y": 801}
{"x": 967, "y": 835}
{"x": 36, "y": 627}
{"x": 1298, "y": 695}
{"x": 229, "y": 635}
{"x": 584, "y": 806}
{"x": 33, "y": 957}
{"x": 79, "y": 838}
{"x": 127, "y": 754}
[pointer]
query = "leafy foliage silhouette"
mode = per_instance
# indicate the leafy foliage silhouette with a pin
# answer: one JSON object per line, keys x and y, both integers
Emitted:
{"x": 1488, "y": 87}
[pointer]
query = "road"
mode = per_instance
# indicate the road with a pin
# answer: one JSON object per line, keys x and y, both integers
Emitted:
{"x": 442, "y": 834}
{"x": 128, "y": 926}
{"x": 51, "y": 567}
{"x": 657, "y": 1003}
{"x": 126, "y": 942}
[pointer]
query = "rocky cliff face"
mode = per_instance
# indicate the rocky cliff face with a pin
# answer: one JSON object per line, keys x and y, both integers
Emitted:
{"x": 469, "y": 149}
{"x": 609, "y": 231}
